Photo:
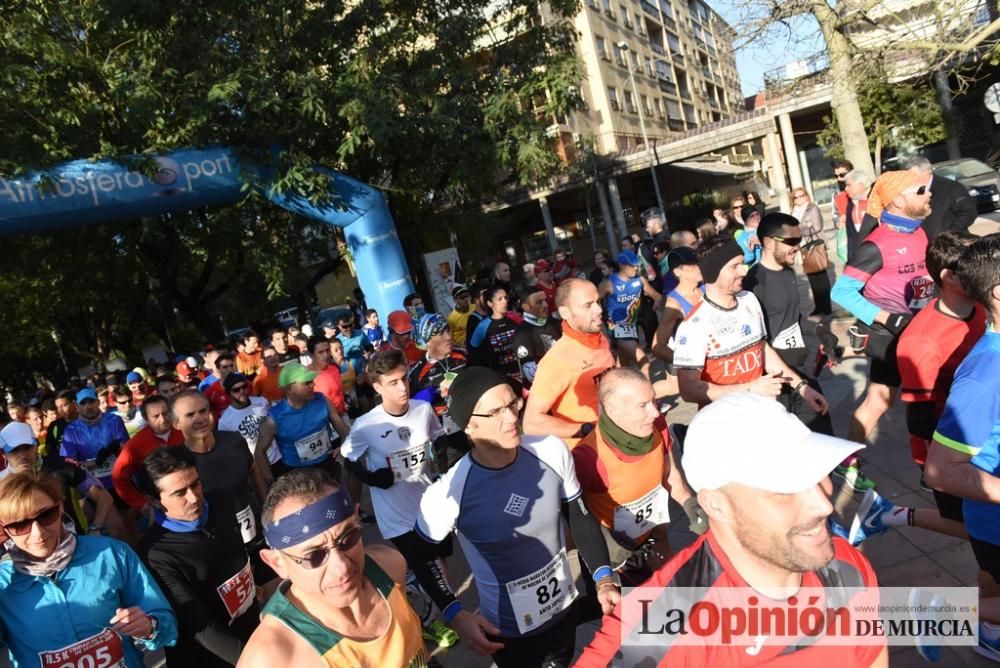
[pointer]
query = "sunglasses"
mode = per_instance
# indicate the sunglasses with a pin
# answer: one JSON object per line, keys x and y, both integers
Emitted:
{"x": 44, "y": 518}
{"x": 238, "y": 388}
{"x": 921, "y": 190}
{"x": 840, "y": 175}
{"x": 320, "y": 555}
{"x": 791, "y": 241}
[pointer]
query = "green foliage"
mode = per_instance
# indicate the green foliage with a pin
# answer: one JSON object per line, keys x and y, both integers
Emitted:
{"x": 896, "y": 115}
{"x": 431, "y": 99}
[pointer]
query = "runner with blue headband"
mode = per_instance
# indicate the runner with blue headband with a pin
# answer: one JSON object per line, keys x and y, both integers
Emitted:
{"x": 338, "y": 599}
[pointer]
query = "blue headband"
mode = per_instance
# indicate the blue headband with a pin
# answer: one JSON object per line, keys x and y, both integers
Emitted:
{"x": 310, "y": 521}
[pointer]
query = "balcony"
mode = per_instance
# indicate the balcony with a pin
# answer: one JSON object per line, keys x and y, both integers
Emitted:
{"x": 675, "y": 124}
{"x": 668, "y": 87}
{"x": 684, "y": 93}
{"x": 677, "y": 56}
{"x": 657, "y": 48}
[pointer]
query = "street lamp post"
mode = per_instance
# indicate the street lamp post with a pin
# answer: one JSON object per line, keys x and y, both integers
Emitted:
{"x": 642, "y": 126}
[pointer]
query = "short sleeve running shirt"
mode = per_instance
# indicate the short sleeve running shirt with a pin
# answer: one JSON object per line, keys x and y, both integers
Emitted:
{"x": 247, "y": 421}
{"x": 508, "y": 520}
{"x": 304, "y": 435}
{"x": 970, "y": 424}
{"x": 401, "y": 443}
{"x": 726, "y": 345}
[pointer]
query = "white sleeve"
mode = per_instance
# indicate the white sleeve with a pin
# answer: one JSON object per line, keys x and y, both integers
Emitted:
{"x": 553, "y": 451}
{"x": 691, "y": 344}
{"x": 434, "y": 428}
{"x": 440, "y": 504}
{"x": 355, "y": 446}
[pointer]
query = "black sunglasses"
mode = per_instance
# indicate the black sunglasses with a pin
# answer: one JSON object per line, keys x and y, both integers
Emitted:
{"x": 44, "y": 518}
{"x": 790, "y": 241}
{"x": 320, "y": 555}
{"x": 840, "y": 175}
{"x": 921, "y": 190}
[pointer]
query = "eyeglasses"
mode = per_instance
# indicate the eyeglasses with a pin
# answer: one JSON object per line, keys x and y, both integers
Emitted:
{"x": 123, "y": 403}
{"x": 790, "y": 241}
{"x": 798, "y": 195}
{"x": 840, "y": 175}
{"x": 44, "y": 518}
{"x": 320, "y": 555}
{"x": 514, "y": 407}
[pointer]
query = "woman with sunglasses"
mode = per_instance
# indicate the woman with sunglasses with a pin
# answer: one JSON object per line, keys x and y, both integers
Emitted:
{"x": 811, "y": 224}
{"x": 340, "y": 603}
{"x": 68, "y": 599}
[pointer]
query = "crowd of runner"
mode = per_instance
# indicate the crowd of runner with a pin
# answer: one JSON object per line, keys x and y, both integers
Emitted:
{"x": 212, "y": 508}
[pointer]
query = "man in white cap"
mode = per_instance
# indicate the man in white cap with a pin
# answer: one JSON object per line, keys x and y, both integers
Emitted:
{"x": 768, "y": 530}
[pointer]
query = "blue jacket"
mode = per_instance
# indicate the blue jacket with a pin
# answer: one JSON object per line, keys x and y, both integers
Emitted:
{"x": 42, "y": 614}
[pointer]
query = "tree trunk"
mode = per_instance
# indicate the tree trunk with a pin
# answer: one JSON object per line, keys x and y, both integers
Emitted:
{"x": 844, "y": 100}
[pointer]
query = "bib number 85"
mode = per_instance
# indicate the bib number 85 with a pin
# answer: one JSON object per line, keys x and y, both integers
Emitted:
{"x": 644, "y": 513}
{"x": 548, "y": 591}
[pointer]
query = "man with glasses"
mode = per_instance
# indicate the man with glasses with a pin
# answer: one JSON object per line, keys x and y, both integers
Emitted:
{"x": 507, "y": 499}
{"x": 94, "y": 438}
{"x": 883, "y": 286}
{"x": 722, "y": 344}
{"x": 250, "y": 418}
{"x": 393, "y": 449}
{"x": 338, "y": 599}
{"x": 304, "y": 421}
{"x": 126, "y": 411}
{"x": 773, "y": 282}
{"x": 356, "y": 345}
{"x": 841, "y": 199}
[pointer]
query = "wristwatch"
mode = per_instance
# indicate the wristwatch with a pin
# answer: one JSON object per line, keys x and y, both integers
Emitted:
{"x": 154, "y": 626}
{"x": 612, "y": 579}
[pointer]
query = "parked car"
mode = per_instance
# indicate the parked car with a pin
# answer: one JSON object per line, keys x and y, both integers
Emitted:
{"x": 982, "y": 180}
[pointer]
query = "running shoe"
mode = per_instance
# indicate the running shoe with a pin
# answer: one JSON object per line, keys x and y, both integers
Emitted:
{"x": 440, "y": 633}
{"x": 988, "y": 648}
{"x": 868, "y": 522}
{"x": 925, "y": 649}
{"x": 854, "y": 478}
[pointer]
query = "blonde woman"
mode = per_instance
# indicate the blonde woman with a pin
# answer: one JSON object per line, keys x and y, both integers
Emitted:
{"x": 811, "y": 224}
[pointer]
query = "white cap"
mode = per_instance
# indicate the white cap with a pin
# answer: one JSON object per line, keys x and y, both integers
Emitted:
{"x": 752, "y": 440}
{"x": 307, "y": 329}
{"x": 191, "y": 362}
{"x": 15, "y": 435}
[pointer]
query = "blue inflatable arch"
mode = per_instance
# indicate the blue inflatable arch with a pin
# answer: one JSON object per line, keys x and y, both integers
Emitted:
{"x": 87, "y": 193}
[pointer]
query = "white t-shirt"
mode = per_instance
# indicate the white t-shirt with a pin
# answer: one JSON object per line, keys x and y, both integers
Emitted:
{"x": 403, "y": 444}
{"x": 247, "y": 421}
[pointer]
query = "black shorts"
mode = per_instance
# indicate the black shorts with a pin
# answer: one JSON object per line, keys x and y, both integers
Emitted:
{"x": 988, "y": 557}
{"x": 885, "y": 370}
{"x": 551, "y": 648}
{"x": 949, "y": 505}
{"x": 442, "y": 550}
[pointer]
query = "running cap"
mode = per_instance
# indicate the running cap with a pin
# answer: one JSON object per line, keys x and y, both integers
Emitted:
{"x": 628, "y": 257}
{"x": 429, "y": 326}
{"x": 310, "y": 520}
{"x": 184, "y": 369}
{"x": 468, "y": 387}
{"x": 133, "y": 377}
{"x": 293, "y": 372}
{"x": 680, "y": 256}
{"x": 400, "y": 322}
{"x": 16, "y": 434}
{"x": 86, "y": 394}
{"x": 233, "y": 379}
{"x": 458, "y": 291}
{"x": 542, "y": 265}
{"x": 752, "y": 440}
{"x": 712, "y": 262}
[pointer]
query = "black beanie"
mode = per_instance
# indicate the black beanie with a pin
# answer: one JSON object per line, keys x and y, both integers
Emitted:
{"x": 467, "y": 388}
{"x": 712, "y": 262}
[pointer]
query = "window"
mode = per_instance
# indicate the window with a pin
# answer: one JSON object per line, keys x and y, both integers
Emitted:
{"x": 635, "y": 59}
{"x": 619, "y": 56}
{"x": 667, "y": 10}
{"x": 602, "y": 47}
{"x": 623, "y": 11}
{"x": 630, "y": 102}
{"x": 673, "y": 109}
{"x": 659, "y": 107}
{"x": 646, "y": 109}
{"x": 613, "y": 98}
{"x": 689, "y": 115}
{"x": 607, "y": 5}
{"x": 674, "y": 43}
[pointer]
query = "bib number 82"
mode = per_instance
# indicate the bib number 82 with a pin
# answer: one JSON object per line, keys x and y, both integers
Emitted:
{"x": 548, "y": 591}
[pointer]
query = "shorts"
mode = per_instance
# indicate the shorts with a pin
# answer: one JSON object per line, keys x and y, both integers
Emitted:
{"x": 550, "y": 648}
{"x": 885, "y": 370}
{"x": 987, "y": 556}
{"x": 949, "y": 505}
{"x": 441, "y": 550}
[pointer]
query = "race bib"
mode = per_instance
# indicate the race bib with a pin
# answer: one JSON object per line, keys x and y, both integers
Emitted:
{"x": 922, "y": 292}
{"x": 313, "y": 446}
{"x": 538, "y": 597}
{"x": 788, "y": 338}
{"x": 247, "y": 524}
{"x": 640, "y": 516}
{"x": 625, "y": 331}
{"x": 409, "y": 464}
{"x": 103, "y": 471}
{"x": 237, "y": 592}
{"x": 103, "y": 650}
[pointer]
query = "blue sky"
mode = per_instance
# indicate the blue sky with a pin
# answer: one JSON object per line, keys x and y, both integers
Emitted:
{"x": 778, "y": 48}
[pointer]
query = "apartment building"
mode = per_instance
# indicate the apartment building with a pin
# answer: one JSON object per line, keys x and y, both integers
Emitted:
{"x": 681, "y": 57}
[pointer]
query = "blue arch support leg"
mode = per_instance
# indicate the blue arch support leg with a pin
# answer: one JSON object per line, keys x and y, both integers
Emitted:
{"x": 82, "y": 193}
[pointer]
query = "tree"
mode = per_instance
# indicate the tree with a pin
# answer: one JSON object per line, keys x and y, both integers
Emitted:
{"x": 897, "y": 114}
{"x": 859, "y": 34}
{"x": 430, "y": 99}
